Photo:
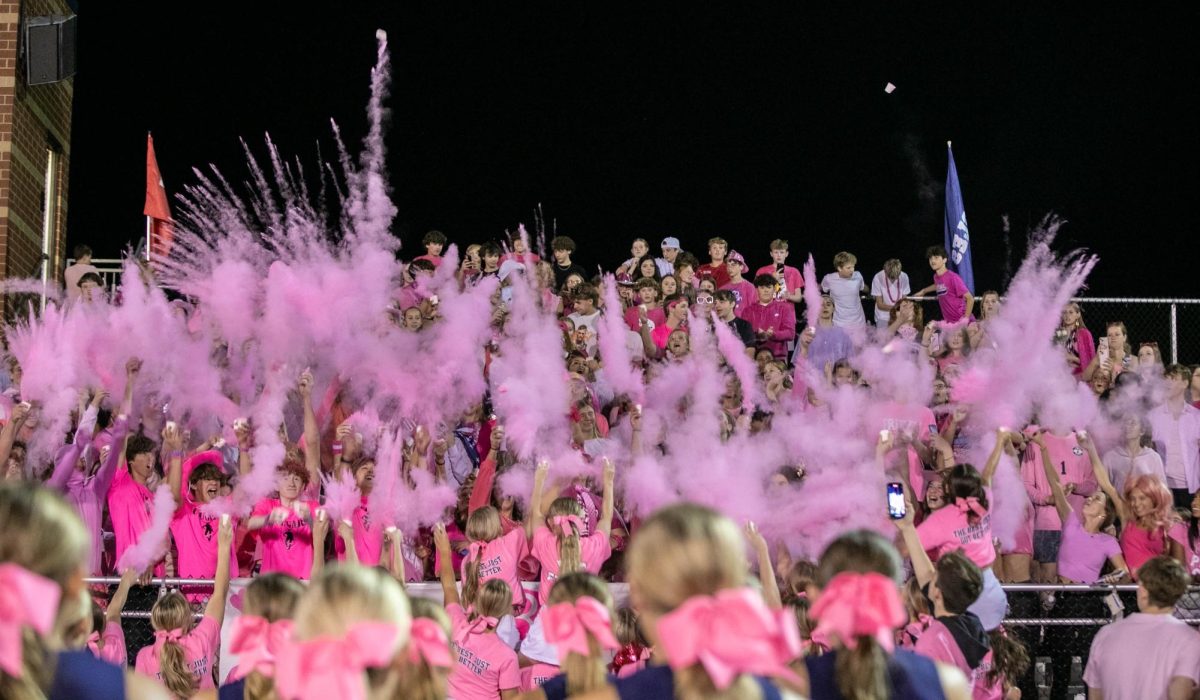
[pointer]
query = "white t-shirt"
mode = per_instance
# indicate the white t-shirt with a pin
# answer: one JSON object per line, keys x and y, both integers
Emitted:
{"x": 847, "y": 304}
{"x": 891, "y": 292}
{"x": 590, "y": 322}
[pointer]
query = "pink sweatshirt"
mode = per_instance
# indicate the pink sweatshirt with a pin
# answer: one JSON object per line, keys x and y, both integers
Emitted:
{"x": 779, "y": 316}
{"x": 89, "y": 492}
{"x": 200, "y": 647}
{"x": 938, "y": 644}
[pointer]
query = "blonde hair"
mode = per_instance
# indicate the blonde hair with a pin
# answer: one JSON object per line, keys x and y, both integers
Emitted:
{"x": 346, "y": 594}
{"x": 779, "y": 244}
{"x": 494, "y": 600}
{"x": 569, "y": 554}
{"x": 419, "y": 680}
{"x": 844, "y": 258}
{"x": 682, "y": 551}
{"x": 42, "y": 534}
{"x": 172, "y": 612}
{"x": 584, "y": 673}
{"x": 482, "y": 526}
{"x": 273, "y": 597}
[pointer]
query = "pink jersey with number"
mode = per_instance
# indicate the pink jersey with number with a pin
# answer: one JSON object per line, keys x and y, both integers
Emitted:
{"x": 200, "y": 647}
{"x": 485, "y": 664}
{"x": 594, "y": 550}
{"x": 1073, "y": 466}
{"x": 287, "y": 547}
{"x": 499, "y": 559}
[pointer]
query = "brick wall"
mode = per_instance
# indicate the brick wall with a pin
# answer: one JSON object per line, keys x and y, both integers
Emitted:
{"x": 33, "y": 119}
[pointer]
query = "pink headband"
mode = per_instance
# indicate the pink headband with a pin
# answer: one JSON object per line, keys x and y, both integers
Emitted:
{"x": 257, "y": 643}
{"x": 860, "y": 605}
{"x": 729, "y": 634}
{"x": 970, "y": 504}
{"x": 429, "y": 642}
{"x": 567, "y": 626}
{"x": 330, "y": 667}
{"x": 564, "y": 522}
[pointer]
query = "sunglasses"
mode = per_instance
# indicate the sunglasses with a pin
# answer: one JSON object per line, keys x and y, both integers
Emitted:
{"x": 704, "y": 299}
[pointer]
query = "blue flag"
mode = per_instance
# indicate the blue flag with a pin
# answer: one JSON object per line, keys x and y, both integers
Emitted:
{"x": 958, "y": 238}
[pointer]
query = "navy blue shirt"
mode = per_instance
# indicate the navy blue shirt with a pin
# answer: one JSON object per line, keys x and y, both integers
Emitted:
{"x": 80, "y": 676}
{"x": 655, "y": 682}
{"x": 235, "y": 690}
{"x": 911, "y": 677}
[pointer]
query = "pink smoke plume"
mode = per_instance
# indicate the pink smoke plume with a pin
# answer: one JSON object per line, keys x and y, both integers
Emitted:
{"x": 151, "y": 545}
{"x": 342, "y": 497}
{"x": 812, "y": 293}
{"x": 619, "y": 369}
{"x": 734, "y": 352}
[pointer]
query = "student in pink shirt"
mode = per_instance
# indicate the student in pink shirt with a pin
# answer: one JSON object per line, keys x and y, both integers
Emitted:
{"x": 284, "y": 523}
{"x": 268, "y": 608}
{"x": 194, "y": 483}
{"x": 107, "y": 638}
{"x": 183, "y": 657}
{"x": 434, "y": 242}
{"x": 1149, "y": 526}
{"x": 965, "y": 523}
{"x": 955, "y": 300}
{"x": 367, "y": 534}
{"x": 1085, "y": 546}
{"x": 559, "y": 543}
{"x": 579, "y": 624}
{"x": 772, "y": 320}
{"x": 486, "y": 667}
{"x": 647, "y": 291}
{"x": 129, "y": 498}
{"x": 743, "y": 290}
{"x": 494, "y": 554}
{"x": 1069, "y": 457}
{"x": 430, "y": 657}
{"x": 715, "y": 268}
{"x": 790, "y": 283}
{"x": 1150, "y": 653}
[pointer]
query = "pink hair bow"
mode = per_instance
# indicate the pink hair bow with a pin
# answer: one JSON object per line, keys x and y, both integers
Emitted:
{"x": 332, "y": 667}
{"x": 562, "y": 522}
{"x": 474, "y": 549}
{"x": 729, "y": 634}
{"x": 257, "y": 643}
{"x": 567, "y": 625}
{"x": 25, "y": 599}
{"x": 479, "y": 625}
{"x": 93, "y": 644}
{"x": 429, "y": 642}
{"x": 855, "y": 605}
{"x": 970, "y": 504}
{"x": 161, "y": 637}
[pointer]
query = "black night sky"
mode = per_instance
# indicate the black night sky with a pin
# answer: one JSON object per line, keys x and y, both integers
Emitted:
{"x": 751, "y": 124}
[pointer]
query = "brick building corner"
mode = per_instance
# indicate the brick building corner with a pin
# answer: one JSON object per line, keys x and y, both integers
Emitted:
{"x": 35, "y": 148}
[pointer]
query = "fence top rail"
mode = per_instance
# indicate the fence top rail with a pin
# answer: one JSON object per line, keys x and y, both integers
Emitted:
{"x": 1103, "y": 300}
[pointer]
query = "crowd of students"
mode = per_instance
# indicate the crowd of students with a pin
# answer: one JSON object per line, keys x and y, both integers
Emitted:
{"x": 853, "y": 620}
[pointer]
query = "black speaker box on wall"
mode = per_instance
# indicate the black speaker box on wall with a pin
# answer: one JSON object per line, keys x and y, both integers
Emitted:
{"x": 49, "y": 49}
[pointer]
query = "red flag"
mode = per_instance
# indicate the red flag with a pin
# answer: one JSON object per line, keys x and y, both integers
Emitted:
{"x": 159, "y": 213}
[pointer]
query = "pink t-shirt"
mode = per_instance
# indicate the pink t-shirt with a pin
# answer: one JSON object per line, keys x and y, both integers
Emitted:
{"x": 913, "y": 419}
{"x": 195, "y": 536}
{"x": 368, "y": 538}
{"x": 535, "y": 676}
{"x": 792, "y": 278}
{"x": 499, "y": 559}
{"x": 951, "y": 296}
{"x": 947, "y": 529}
{"x": 594, "y": 550}
{"x": 1140, "y": 546}
{"x": 129, "y": 506}
{"x": 1081, "y": 555}
{"x": 485, "y": 664}
{"x": 1138, "y": 656}
{"x": 633, "y": 319}
{"x": 200, "y": 647}
{"x": 113, "y": 651}
{"x": 288, "y": 546}
{"x": 1073, "y": 467}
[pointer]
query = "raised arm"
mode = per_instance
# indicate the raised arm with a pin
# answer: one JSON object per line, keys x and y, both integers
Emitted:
{"x": 216, "y": 604}
{"x": 70, "y": 456}
{"x": 132, "y": 367}
{"x": 485, "y": 478}
{"x": 1060, "y": 499}
{"x": 346, "y": 530}
{"x": 1003, "y": 439}
{"x": 922, "y": 566}
{"x": 606, "y": 505}
{"x": 312, "y": 433}
{"x": 766, "y": 573}
{"x": 245, "y": 441}
{"x": 446, "y": 569}
{"x": 108, "y": 466}
{"x": 534, "y": 514}
{"x": 636, "y": 445}
{"x": 172, "y": 442}
{"x": 395, "y": 540}
{"x": 117, "y": 603}
{"x": 320, "y": 529}
{"x": 1101, "y": 474}
{"x": 9, "y": 433}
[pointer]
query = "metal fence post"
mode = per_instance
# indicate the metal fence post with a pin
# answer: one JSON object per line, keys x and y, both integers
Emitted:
{"x": 1174, "y": 335}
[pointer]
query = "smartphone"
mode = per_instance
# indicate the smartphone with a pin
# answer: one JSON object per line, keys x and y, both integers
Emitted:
{"x": 895, "y": 499}
{"x": 1102, "y": 350}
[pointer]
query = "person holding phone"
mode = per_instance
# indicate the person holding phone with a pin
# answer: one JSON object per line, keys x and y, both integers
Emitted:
{"x": 1113, "y": 354}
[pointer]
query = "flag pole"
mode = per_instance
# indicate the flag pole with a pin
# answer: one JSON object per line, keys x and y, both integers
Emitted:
{"x": 149, "y": 242}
